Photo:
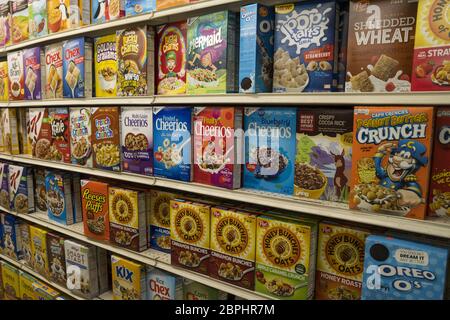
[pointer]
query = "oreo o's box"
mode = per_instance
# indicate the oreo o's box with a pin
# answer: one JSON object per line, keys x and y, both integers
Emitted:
{"x": 397, "y": 269}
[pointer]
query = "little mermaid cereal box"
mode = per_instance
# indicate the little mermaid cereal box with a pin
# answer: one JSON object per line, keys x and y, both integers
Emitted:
{"x": 390, "y": 163}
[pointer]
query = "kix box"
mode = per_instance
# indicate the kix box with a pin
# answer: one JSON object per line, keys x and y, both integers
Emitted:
{"x": 340, "y": 262}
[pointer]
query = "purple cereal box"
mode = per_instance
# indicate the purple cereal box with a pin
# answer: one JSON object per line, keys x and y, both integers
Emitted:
{"x": 32, "y": 67}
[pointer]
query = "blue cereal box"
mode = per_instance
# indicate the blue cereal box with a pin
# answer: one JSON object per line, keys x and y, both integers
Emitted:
{"x": 21, "y": 190}
{"x": 173, "y": 143}
{"x": 397, "y": 269}
{"x": 77, "y": 68}
{"x": 134, "y": 7}
{"x": 11, "y": 236}
{"x": 256, "y": 49}
{"x": 270, "y": 149}
{"x": 305, "y": 47}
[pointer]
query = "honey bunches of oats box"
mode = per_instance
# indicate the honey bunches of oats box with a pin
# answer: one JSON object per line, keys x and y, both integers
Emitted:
{"x": 285, "y": 257}
{"x": 160, "y": 220}
{"x": 11, "y": 282}
{"x": 340, "y": 262}
{"x": 128, "y": 278}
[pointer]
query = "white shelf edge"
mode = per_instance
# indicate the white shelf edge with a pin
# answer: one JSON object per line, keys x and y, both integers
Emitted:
{"x": 426, "y": 227}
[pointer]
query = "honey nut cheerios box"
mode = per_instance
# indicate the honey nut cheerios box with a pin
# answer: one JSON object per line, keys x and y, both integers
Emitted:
{"x": 105, "y": 66}
{"x": 390, "y": 163}
{"x": 128, "y": 279}
{"x": 11, "y": 281}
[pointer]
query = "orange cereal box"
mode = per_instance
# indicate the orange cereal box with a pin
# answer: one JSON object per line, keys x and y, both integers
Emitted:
{"x": 166, "y": 4}
{"x": 94, "y": 199}
{"x": 391, "y": 153}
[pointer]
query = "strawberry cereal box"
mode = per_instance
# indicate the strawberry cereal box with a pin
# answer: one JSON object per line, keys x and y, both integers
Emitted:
{"x": 390, "y": 162}
{"x": 215, "y": 152}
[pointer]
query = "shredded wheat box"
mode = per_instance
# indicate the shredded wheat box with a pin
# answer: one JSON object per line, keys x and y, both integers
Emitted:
{"x": 128, "y": 279}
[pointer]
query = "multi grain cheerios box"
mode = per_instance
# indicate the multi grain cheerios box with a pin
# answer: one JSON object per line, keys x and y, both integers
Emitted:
{"x": 104, "y": 11}
{"x": 285, "y": 257}
{"x": 397, "y": 269}
{"x": 77, "y": 68}
{"x": 58, "y": 15}
{"x": 190, "y": 227}
{"x": 172, "y": 136}
{"x": 54, "y": 71}
{"x": 16, "y": 75}
{"x": 40, "y": 192}
{"x": 95, "y": 206}
{"x": 56, "y": 258}
{"x": 37, "y": 18}
{"x": 19, "y": 25}
{"x": 33, "y": 59}
{"x": 163, "y": 285}
{"x": 11, "y": 236}
{"x": 128, "y": 279}
{"x": 270, "y": 149}
{"x": 212, "y": 48}
{"x": 5, "y": 23}
{"x": 135, "y": 7}
{"x": 26, "y": 244}
{"x": 390, "y": 162}
{"x": 105, "y": 63}
{"x": 4, "y": 81}
{"x": 4, "y": 186}
{"x": 305, "y": 57}
{"x": 159, "y": 220}
{"x": 21, "y": 190}
{"x": 136, "y": 131}
{"x": 256, "y": 48}
{"x": 431, "y": 65}
{"x": 9, "y": 131}
{"x": 39, "y": 250}
{"x": 11, "y": 282}
{"x": 380, "y": 45}
{"x": 26, "y": 286}
{"x": 80, "y": 136}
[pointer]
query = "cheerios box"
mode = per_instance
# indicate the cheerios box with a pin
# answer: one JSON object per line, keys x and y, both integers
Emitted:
{"x": 128, "y": 279}
{"x": 11, "y": 281}
{"x": 21, "y": 190}
{"x": 172, "y": 134}
{"x": 11, "y": 236}
{"x": 163, "y": 285}
{"x": 390, "y": 162}
{"x": 104, "y": 11}
{"x": 397, "y": 269}
{"x": 159, "y": 220}
{"x": 256, "y": 48}
{"x": 305, "y": 58}
{"x": 39, "y": 250}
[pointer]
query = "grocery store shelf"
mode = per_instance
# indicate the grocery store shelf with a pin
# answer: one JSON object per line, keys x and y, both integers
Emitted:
{"x": 20, "y": 265}
{"x": 268, "y": 200}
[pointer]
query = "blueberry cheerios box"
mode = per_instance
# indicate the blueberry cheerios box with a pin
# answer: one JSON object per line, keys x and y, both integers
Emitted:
{"x": 305, "y": 47}
{"x": 403, "y": 270}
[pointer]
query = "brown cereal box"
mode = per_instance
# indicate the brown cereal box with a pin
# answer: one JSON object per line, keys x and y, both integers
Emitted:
{"x": 39, "y": 250}
{"x": 105, "y": 138}
{"x": 95, "y": 206}
{"x": 56, "y": 258}
{"x": 53, "y": 78}
{"x": 16, "y": 76}
{"x": 190, "y": 227}
{"x": 8, "y": 122}
{"x": 380, "y": 45}
{"x": 391, "y": 152}
{"x": 4, "y": 81}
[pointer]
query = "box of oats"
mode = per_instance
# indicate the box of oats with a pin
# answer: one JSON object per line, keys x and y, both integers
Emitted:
{"x": 159, "y": 221}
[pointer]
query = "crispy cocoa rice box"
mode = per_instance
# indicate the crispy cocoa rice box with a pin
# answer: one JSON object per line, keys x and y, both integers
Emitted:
{"x": 390, "y": 163}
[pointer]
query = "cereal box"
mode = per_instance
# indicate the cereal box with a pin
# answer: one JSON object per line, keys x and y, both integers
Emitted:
{"x": 4, "y": 186}
{"x": 340, "y": 262}
{"x": 56, "y": 258}
{"x": 137, "y": 140}
{"x": 171, "y": 46}
{"x": 79, "y": 13}
{"x": 190, "y": 233}
{"x": 26, "y": 244}
{"x": 80, "y": 136}
{"x": 5, "y": 23}
{"x": 270, "y": 149}
{"x": 135, "y": 56}
{"x": 215, "y": 154}
{"x": 233, "y": 238}
{"x": 10, "y": 279}
{"x": 391, "y": 151}
{"x": 37, "y": 18}
{"x": 58, "y": 120}
{"x": 26, "y": 286}
{"x": 19, "y": 27}
{"x": 342, "y": 45}
{"x": 105, "y": 138}
{"x": 21, "y": 190}
{"x": 128, "y": 277}
{"x": 4, "y": 81}
{"x": 8, "y": 121}
{"x": 159, "y": 220}
{"x": 11, "y": 236}
{"x": 77, "y": 68}
{"x": 40, "y": 192}
{"x": 32, "y": 61}
{"x": 439, "y": 194}
{"x": 305, "y": 56}
{"x": 324, "y": 154}
{"x": 39, "y": 250}
{"x": 173, "y": 142}
{"x": 213, "y": 45}
{"x": 16, "y": 75}
{"x": 135, "y": 7}
{"x": 107, "y": 10}
{"x": 94, "y": 197}
{"x": 2, "y": 288}
{"x": 431, "y": 65}
{"x": 397, "y": 269}
{"x": 23, "y": 119}
{"x": 163, "y": 285}
{"x": 196, "y": 291}
{"x": 54, "y": 71}
{"x": 256, "y": 48}
{"x": 44, "y": 292}
{"x": 105, "y": 63}
{"x": 166, "y": 4}
{"x": 380, "y": 46}
{"x": 58, "y": 15}
{"x": 62, "y": 196}
{"x": 285, "y": 257}
{"x": 128, "y": 218}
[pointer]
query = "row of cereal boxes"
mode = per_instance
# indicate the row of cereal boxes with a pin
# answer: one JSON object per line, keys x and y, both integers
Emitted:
{"x": 371, "y": 158}
{"x": 201, "y": 55}
{"x": 55, "y": 258}
{"x": 284, "y": 257}
{"x": 21, "y": 20}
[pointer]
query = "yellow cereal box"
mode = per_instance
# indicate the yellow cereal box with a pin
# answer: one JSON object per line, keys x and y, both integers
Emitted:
{"x": 39, "y": 250}
{"x": 43, "y": 292}
{"x": 8, "y": 122}
{"x": 4, "y": 83}
{"x": 58, "y": 15}
{"x": 11, "y": 283}
{"x": 166, "y": 4}
{"x": 105, "y": 54}
{"x": 340, "y": 262}
{"x": 159, "y": 220}
{"x": 128, "y": 279}
{"x": 26, "y": 286}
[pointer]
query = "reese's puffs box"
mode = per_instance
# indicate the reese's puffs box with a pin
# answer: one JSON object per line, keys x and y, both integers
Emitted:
{"x": 391, "y": 156}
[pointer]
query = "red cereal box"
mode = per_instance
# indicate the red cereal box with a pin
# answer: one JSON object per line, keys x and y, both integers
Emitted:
{"x": 94, "y": 199}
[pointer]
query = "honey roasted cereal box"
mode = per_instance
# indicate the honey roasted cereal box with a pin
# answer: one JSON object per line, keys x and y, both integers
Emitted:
{"x": 16, "y": 75}
{"x": 128, "y": 279}
{"x": 4, "y": 187}
{"x": 105, "y": 138}
{"x": 80, "y": 136}
{"x": 390, "y": 163}
{"x": 53, "y": 71}
{"x": 21, "y": 190}
{"x": 11, "y": 236}
{"x": 32, "y": 62}
{"x": 340, "y": 262}
{"x": 190, "y": 227}
{"x": 77, "y": 68}
{"x": 4, "y": 81}
{"x": 95, "y": 206}
{"x": 159, "y": 221}
{"x": 37, "y": 18}
{"x": 5, "y": 23}
{"x": 11, "y": 282}
{"x": 39, "y": 250}
{"x": 163, "y": 285}
{"x": 105, "y": 63}
{"x": 431, "y": 65}
{"x": 107, "y": 10}
{"x": 56, "y": 259}
{"x": 380, "y": 45}
{"x": 135, "y": 7}
{"x": 19, "y": 25}
{"x": 58, "y": 15}
{"x": 212, "y": 47}
{"x": 171, "y": 46}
